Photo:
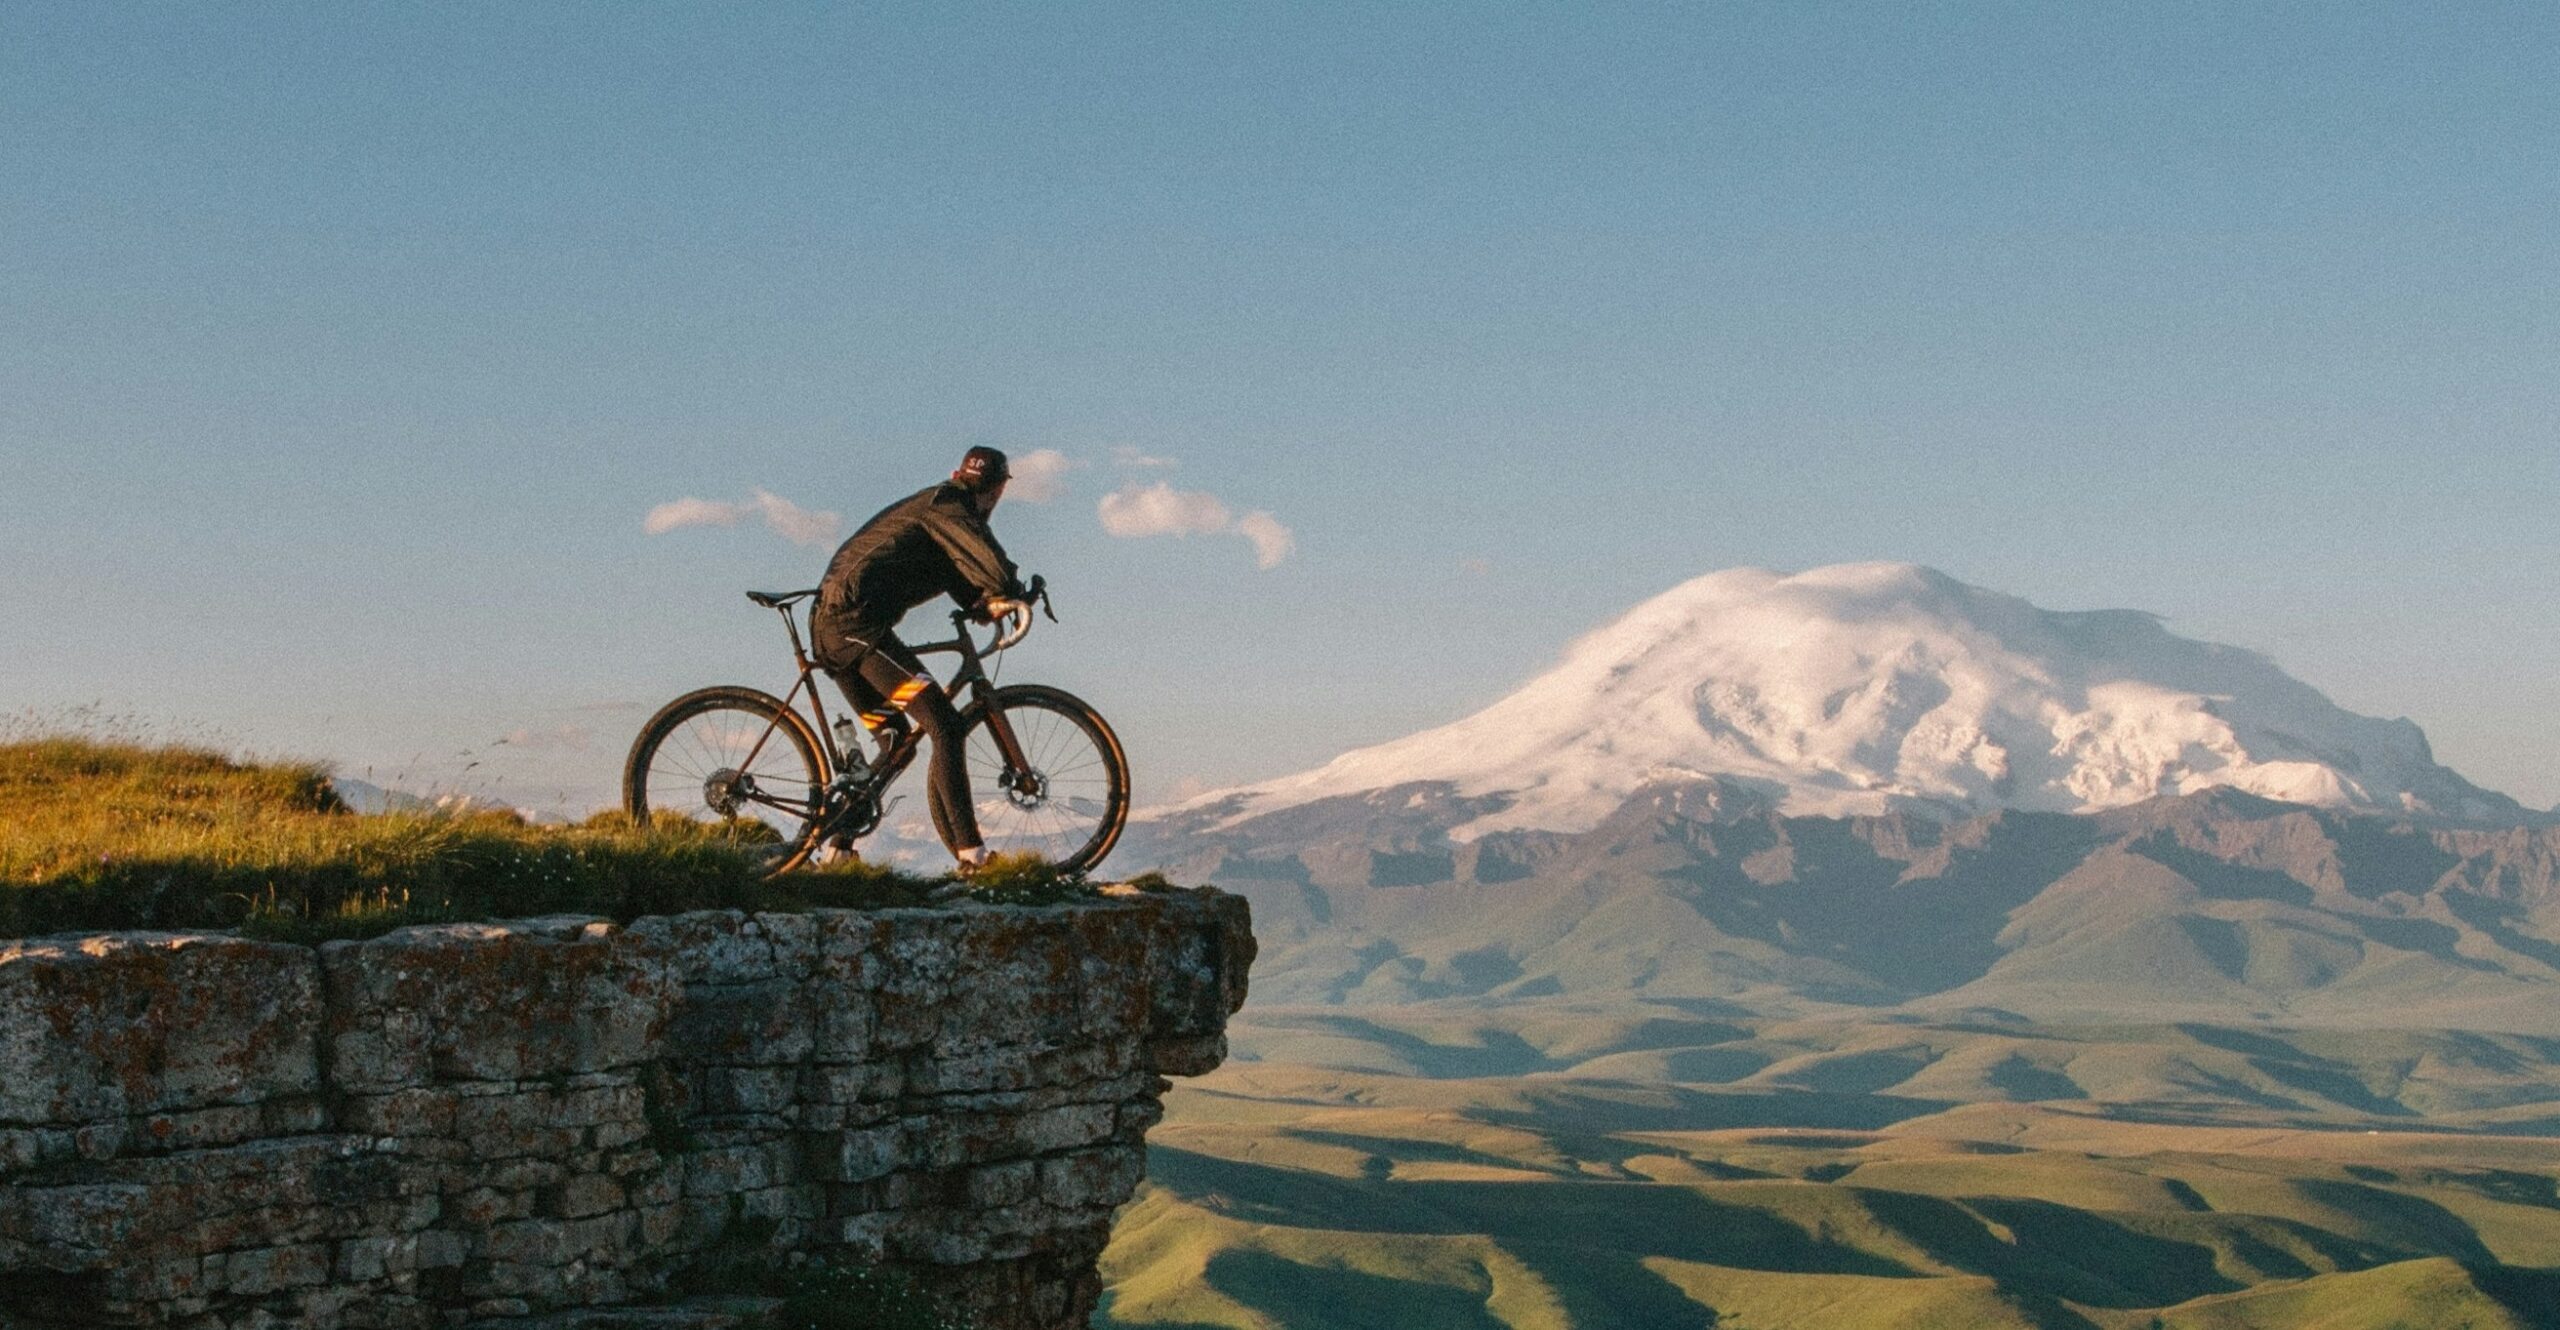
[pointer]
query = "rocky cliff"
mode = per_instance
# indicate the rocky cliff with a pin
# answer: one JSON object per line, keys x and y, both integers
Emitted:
{"x": 491, "y": 1123}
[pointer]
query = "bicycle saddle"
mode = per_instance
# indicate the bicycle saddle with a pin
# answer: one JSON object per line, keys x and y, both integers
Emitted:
{"x": 774, "y": 600}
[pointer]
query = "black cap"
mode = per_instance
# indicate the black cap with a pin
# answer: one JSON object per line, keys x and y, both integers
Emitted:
{"x": 982, "y": 467}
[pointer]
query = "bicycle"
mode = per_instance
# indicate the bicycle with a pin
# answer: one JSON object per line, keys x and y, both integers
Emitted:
{"x": 1046, "y": 774}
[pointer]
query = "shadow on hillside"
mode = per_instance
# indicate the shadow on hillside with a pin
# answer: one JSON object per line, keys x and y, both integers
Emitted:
{"x": 1937, "y": 927}
{"x": 1392, "y": 1150}
{"x": 1491, "y": 1052}
{"x": 2533, "y": 1295}
{"x": 1341, "y": 1298}
{"x": 2295, "y": 1069}
{"x": 2220, "y": 879}
{"x": 1645, "y": 1219}
{"x": 2498, "y": 919}
{"x": 1858, "y": 1073}
{"x": 1632, "y": 1218}
{"x": 1690, "y": 1109}
{"x": 2415, "y": 1225}
{"x": 2378, "y": 858}
{"x": 1293, "y": 1198}
{"x": 2499, "y": 1184}
{"x": 2437, "y": 941}
{"x": 1600, "y": 1287}
{"x": 2025, "y": 1082}
{"x": 2073, "y": 1254}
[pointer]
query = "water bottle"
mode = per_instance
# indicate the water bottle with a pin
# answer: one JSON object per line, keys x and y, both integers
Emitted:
{"x": 849, "y": 740}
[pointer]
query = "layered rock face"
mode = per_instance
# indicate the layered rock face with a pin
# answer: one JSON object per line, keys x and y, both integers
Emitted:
{"x": 482, "y": 1123}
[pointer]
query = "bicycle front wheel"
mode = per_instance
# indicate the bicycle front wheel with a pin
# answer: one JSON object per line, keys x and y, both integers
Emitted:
{"x": 736, "y": 763}
{"x": 1069, "y": 800}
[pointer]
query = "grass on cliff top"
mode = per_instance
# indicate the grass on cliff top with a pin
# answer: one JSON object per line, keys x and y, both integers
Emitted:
{"x": 107, "y": 835}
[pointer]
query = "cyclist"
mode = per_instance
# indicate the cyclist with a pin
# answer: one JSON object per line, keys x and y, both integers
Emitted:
{"x": 934, "y": 542}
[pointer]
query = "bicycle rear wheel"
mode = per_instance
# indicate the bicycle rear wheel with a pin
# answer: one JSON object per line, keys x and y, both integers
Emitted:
{"x": 1072, "y": 802}
{"x": 736, "y": 763}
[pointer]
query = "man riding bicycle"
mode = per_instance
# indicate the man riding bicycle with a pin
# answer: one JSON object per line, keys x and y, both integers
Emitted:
{"x": 935, "y": 542}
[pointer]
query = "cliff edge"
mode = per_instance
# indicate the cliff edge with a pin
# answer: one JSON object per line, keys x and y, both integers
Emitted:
{"x": 491, "y": 1124}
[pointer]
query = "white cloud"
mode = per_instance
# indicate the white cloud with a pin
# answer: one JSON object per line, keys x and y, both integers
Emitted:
{"x": 1134, "y": 511}
{"x": 1129, "y": 456}
{"x": 667, "y": 517}
{"x": 1272, "y": 542}
{"x": 800, "y": 526}
{"x": 1040, "y": 476}
{"x": 1161, "y": 510}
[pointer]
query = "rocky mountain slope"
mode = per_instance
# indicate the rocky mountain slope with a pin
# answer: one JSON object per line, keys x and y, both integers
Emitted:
{"x": 2217, "y": 906}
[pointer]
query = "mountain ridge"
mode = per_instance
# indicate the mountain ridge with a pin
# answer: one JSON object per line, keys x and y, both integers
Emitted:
{"x": 1864, "y": 688}
{"x": 2217, "y": 906}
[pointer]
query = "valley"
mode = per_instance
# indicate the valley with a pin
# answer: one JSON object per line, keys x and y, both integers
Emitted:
{"x": 1862, "y": 949}
{"x": 1540, "y": 1168}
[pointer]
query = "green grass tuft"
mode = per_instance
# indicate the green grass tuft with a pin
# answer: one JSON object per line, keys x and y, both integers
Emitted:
{"x": 115, "y": 835}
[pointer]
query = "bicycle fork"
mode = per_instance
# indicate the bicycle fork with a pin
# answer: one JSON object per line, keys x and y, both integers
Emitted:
{"x": 1017, "y": 764}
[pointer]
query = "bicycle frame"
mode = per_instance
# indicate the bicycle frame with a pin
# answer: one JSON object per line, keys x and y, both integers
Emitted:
{"x": 971, "y": 675}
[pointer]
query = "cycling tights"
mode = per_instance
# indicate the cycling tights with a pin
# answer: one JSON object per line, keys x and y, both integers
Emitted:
{"x": 886, "y": 679}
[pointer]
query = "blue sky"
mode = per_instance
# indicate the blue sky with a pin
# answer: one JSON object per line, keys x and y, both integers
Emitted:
{"x": 348, "y": 346}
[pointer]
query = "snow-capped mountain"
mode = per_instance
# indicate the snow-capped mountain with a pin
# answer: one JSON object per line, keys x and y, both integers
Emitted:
{"x": 1877, "y": 687}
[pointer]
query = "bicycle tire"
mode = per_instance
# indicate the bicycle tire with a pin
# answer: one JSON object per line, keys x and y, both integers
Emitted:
{"x": 675, "y": 769}
{"x": 1080, "y": 804}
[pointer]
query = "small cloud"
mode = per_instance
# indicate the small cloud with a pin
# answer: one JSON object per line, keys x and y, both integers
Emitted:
{"x": 1475, "y": 567}
{"x": 667, "y": 517}
{"x": 1127, "y": 456}
{"x": 1040, "y": 476}
{"x": 1135, "y": 511}
{"x": 1161, "y": 510}
{"x": 1272, "y": 542}
{"x": 800, "y": 526}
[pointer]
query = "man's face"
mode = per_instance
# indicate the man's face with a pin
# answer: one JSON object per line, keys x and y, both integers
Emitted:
{"x": 987, "y": 497}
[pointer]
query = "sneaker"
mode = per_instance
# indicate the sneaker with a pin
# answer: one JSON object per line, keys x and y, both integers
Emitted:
{"x": 832, "y": 853}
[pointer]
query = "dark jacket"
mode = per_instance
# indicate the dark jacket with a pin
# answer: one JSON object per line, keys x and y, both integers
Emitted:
{"x": 931, "y": 543}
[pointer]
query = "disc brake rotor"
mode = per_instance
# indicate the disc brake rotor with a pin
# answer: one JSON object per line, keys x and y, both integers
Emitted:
{"x": 1027, "y": 789}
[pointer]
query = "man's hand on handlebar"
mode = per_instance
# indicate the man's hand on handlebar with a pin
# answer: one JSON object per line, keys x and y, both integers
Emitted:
{"x": 1011, "y": 616}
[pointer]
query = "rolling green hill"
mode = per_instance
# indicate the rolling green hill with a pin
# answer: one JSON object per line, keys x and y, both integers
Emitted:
{"x": 1283, "y": 1194}
{"x": 2205, "y": 1062}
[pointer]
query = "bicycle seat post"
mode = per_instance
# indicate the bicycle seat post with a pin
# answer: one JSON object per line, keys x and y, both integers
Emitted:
{"x": 792, "y": 626}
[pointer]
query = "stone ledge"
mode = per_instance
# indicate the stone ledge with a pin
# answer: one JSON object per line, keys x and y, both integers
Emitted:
{"x": 528, "y": 1123}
